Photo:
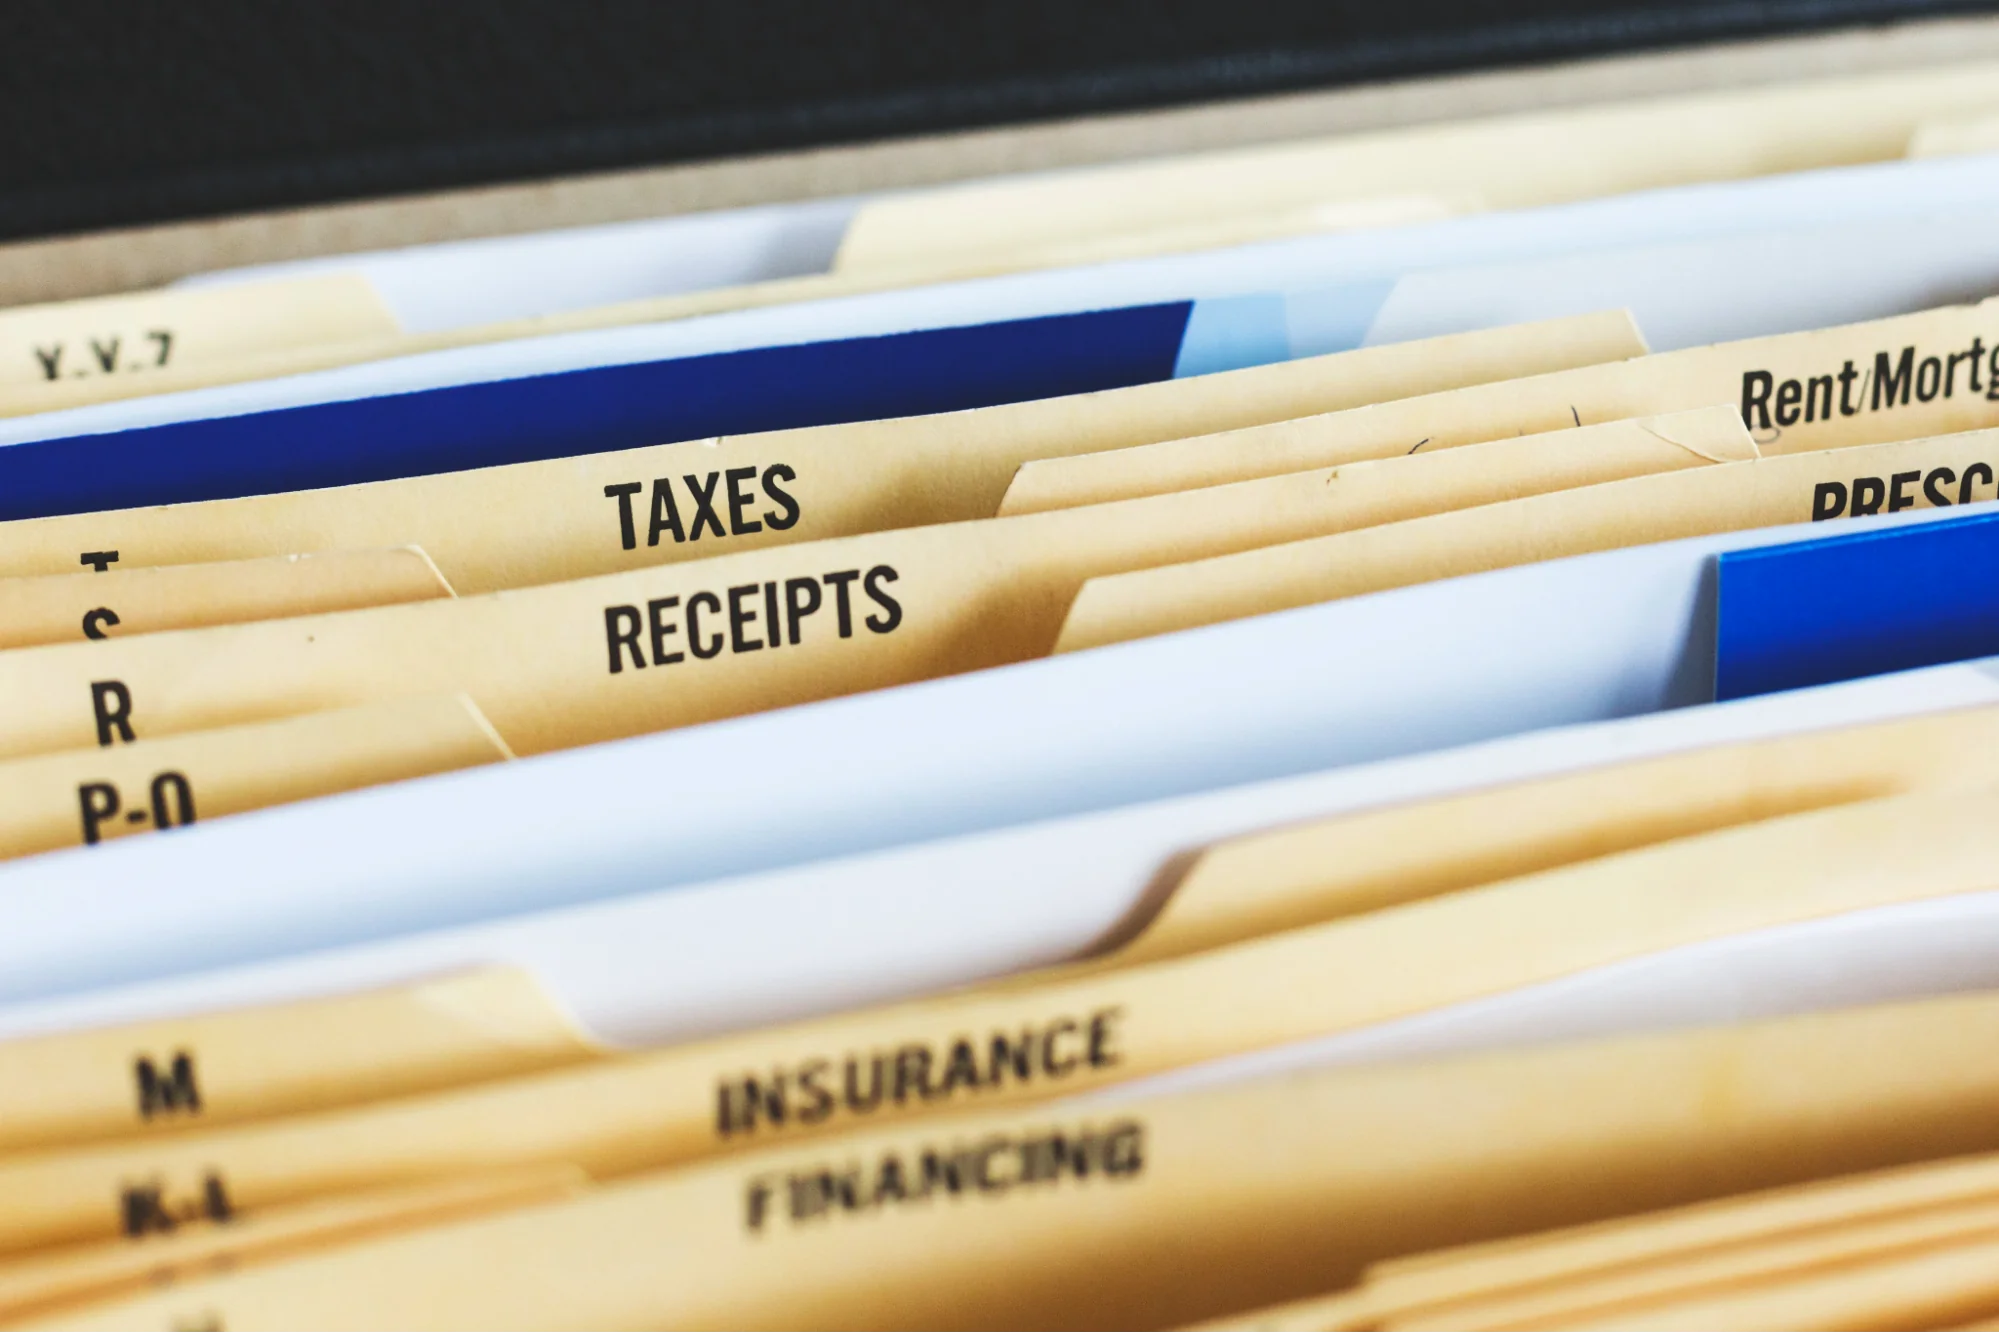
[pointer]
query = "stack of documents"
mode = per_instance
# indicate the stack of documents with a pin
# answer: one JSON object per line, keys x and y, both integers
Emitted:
{"x": 1396, "y": 731}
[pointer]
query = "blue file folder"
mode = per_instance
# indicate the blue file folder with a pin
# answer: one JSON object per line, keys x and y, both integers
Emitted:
{"x": 1857, "y": 604}
{"x": 594, "y": 410}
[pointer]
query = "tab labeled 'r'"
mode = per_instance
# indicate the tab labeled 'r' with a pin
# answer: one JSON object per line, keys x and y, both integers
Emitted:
{"x": 111, "y": 704}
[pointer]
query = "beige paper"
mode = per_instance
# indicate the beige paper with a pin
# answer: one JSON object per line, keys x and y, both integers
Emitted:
{"x": 119, "y": 600}
{"x": 1301, "y": 219}
{"x": 1905, "y": 377}
{"x": 600, "y": 513}
{"x": 1069, "y": 1036}
{"x": 77, "y": 798}
{"x": 1336, "y": 1313}
{"x": 1605, "y": 1299}
{"x": 50, "y": 352}
{"x": 1953, "y": 137}
{"x": 1737, "y": 497}
{"x": 1514, "y": 161}
{"x": 1305, "y": 873}
{"x": 41, "y": 1286}
{"x": 569, "y": 663}
{"x": 1581, "y": 1272}
{"x": 208, "y": 1070}
{"x": 1290, "y": 1185}
{"x": 1549, "y": 1258}
{"x": 1921, "y": 1287}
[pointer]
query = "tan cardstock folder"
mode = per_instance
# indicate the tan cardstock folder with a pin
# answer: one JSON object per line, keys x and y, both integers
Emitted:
{"x": 1080, "y": 1215}
{"x": 1912, "y": 1286}
{"x": 51, "y": 353}
{"x": 1929, "y": 373}
{"x": 1317, "y": 870}
{"x": 1069, "y": 1036}
{"x": 209, "y": 1070}
{"x": 1826, "y": 1210}
{"x": 1950, "y": 137}
{"x": 637, "y": 508}
{"x": 1636, "y": 1294}
{"x": 1585, "y": 1272}
{"x": 569, "y": 663}
{"x": 1340, "y": 213}
{"x": 58, "y": 608}
{"x": 1511, "y": 161}
{"x": 81, "y": 797}
{"x": 1868, "y": 479}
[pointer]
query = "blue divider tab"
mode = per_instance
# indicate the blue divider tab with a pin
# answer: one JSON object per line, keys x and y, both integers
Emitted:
{"x": 563, "y": 414}
{"x": 1861, "y": 603}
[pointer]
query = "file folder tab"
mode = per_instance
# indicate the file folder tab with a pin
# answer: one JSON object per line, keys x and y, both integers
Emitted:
{"x": 1836, "y": 608}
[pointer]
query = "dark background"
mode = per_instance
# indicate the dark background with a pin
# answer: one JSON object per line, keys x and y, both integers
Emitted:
{"x": 156, "y": 110}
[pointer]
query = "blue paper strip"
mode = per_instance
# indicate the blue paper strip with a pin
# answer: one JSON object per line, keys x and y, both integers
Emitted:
{"x": 1861, "y": 603}
{"x": 594, "y": 410}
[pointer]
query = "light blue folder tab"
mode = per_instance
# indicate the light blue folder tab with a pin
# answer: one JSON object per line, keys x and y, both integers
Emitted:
{"x": 1232, "y": 333}
{"x": 1856, "y": 604}
{"x": 1236, "y": 332}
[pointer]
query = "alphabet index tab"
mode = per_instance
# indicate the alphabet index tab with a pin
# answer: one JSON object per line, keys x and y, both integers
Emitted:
{"x": 47, "y": 352}
{"x": 132, "y": 783}
{"x": 209, "y": 1070}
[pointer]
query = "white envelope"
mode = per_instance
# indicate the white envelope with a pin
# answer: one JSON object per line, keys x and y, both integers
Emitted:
{"x": 1584, "y": 639}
